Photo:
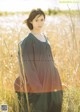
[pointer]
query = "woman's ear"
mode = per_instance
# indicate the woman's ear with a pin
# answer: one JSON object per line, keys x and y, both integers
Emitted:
{"x": 31, "y": 22}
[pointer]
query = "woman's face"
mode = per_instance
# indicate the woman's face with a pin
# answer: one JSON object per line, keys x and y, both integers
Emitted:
{"x": 38, "y": 22}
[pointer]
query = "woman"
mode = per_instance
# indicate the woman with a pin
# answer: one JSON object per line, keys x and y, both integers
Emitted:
{"x": 39, "y": 86}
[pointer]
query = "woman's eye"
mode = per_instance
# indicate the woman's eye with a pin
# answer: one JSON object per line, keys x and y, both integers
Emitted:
{"x": 42, "y": 19}
{"x": 39, "y": 20}
{"x": 36, "y": 20}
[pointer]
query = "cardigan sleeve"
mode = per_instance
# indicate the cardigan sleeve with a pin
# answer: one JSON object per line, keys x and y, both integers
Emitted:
{"x": 27, "y": 65}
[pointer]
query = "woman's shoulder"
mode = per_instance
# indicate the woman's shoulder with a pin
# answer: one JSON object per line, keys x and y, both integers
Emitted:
{"x": 45, "y": 35}
{"x": 47, "y": 38}
{"x": 26, "y": 40}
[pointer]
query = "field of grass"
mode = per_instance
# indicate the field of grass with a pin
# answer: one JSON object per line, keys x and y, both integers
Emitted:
{"x": 63, "y": 32}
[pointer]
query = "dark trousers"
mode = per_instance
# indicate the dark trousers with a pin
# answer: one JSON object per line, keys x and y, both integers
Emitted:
{"x": 40, "y": 102}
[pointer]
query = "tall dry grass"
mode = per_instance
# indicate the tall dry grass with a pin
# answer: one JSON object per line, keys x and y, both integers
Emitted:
{"x": 63, "y": 32}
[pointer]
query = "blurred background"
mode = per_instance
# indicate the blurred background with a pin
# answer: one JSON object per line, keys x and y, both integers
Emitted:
{"x": 27, "y": 5}
{"x": 62, "y": 27}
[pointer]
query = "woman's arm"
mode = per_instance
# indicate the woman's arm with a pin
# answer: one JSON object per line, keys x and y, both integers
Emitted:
{"x": 27, "y": 64}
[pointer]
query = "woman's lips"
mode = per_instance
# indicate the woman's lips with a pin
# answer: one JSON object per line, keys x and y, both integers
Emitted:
{"x": 39, "y": 26}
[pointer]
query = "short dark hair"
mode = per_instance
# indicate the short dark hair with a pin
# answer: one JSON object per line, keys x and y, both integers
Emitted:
{"x": 32, "y": 15}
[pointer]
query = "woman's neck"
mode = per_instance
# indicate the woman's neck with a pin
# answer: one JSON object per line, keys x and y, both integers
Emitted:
{"x": 36, "y": 32}
{"x": 39, "y": 35}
